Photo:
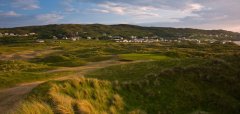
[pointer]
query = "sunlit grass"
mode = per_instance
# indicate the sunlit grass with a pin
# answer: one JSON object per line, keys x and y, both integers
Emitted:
{"x": 81, "y": 96}
{"x": 135, "y": 56}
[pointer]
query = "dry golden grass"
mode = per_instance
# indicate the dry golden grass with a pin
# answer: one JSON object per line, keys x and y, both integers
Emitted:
{"x": 75, "y": 96}
{"x": 33, "y": 107}
{"x": 84, "y": 107}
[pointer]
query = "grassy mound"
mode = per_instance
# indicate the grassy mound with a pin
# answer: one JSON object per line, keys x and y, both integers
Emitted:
{"x": 188, "y": 86}
{"x": 179, "y": 86}
{"x": 77, "y": 96}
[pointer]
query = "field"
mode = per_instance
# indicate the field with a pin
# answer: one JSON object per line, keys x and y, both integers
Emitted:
{"x": 131, "y": 78}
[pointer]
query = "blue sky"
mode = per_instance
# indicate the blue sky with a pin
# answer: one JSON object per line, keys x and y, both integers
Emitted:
{"x": 203, "y": 14}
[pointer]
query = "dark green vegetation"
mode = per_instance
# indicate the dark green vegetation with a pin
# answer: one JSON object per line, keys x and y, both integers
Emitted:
{"x": 179, "y": 86}
{"x": 176, "y": 86}
{"x": 171, "y": 78}
{"x": 101, "y": 31}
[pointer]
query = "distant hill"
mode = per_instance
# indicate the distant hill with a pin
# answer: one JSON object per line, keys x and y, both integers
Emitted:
{"x": 124, "y": 30}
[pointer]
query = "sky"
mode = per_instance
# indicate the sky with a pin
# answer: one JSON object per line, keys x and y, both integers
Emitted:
{"x": 202, "y": 14}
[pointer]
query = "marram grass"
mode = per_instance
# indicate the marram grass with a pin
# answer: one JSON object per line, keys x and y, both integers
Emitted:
{"x": 76, "y": 96}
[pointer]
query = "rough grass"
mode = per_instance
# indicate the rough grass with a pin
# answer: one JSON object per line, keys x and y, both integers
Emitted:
{"x": 185, "y": 86}
{"x": 35, "y": 106}
{"x": 13, "y": 78}
{"x": 60, "y": 60}
{"x": 178, "y": 86}
{"x": 77, "y": 96}
{"x": 16, "y": 71}
{"x": 196, "y": 84}
{"x": 137, "y": 71}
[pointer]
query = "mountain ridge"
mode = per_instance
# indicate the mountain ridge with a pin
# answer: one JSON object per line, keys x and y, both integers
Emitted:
{"x": 125, "y": 30}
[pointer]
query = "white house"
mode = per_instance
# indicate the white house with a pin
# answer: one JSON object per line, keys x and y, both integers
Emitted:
{"x": 65, "y": 38}
{"x": 75, "y": 38}
{"x": 125, "y": 41}
{"x": 89, "y": 38}
{"x": 11, "y": 34}
{"x": 32, "y": 33}
{"x": 1, "y": 35}
{"x": 226, "y": 41}
{"x": 25, "y": 35}
{"x": 133, "y": 37}
{"x": 6, "y": 34}
{"x": 40, "y": 41}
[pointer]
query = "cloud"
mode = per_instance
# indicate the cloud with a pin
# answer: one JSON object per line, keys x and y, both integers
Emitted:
{"x": 9, "y": 14}
{"x": 25, "y": 4}
{"x": 148, "y": 13}
{"x": 49, "y": 18}
{"x": 207, "y": 14}
{"x": 195, "y": 6}
{"x": 68, "y": 6}
{"x": 114, "y": 8}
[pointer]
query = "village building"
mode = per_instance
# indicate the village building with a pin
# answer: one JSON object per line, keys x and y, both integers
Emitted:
{"x": 226, "y": 41}
{"x": 32, "y": 33}
{"x": 75, "y": 38}
{"x": 133, "y": 37}
{"x": 25, "y": 35}
{"x": 11, "y": 34}
{"x": 40, "y": 41}
{"x": 65, "y": 38}
{"x": 89, "y": 38}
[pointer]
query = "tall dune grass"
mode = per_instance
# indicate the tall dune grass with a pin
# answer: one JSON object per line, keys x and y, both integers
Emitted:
{"x": 76, "y": 96}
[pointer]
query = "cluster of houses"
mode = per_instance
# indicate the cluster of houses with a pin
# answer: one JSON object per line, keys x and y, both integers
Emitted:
{"x": 134, "y": 39}
{"x": 13, "y": 34}
{"x": 221, "y": 35}
{"x": 71, "y": 38}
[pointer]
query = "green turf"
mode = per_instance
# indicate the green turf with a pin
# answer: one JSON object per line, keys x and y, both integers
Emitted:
{"x": 135, "y": 56}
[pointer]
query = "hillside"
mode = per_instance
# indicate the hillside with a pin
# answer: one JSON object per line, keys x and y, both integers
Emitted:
{"x": 100, "y": 31}
{"x": 174, "y": 86}
{"x": 164, "y": 77}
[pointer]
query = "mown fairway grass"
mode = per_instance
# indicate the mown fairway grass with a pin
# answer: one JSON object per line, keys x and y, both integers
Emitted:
{"x": 135, "y": 56}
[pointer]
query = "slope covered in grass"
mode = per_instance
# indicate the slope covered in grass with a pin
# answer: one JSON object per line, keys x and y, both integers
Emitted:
{"x": 182, "y": 86}
{"x": 179, "y": 86}
{"x": 77, "y": 96}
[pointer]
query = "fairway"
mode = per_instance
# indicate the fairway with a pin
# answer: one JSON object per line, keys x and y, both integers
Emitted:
{"x": 135, "y": 56}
